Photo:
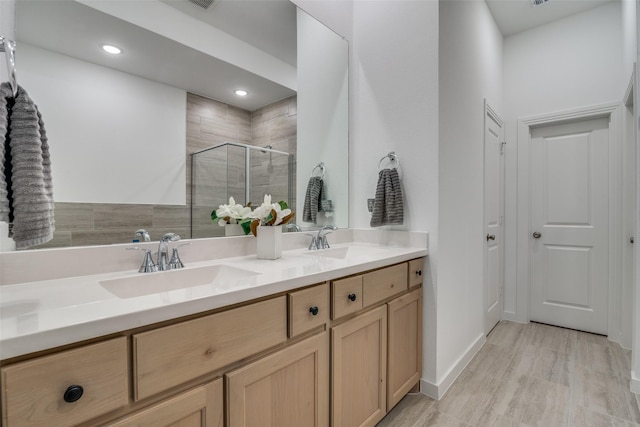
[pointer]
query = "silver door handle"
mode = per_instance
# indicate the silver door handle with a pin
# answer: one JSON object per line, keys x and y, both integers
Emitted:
{"x": 491, "y": 237}
{"x": 537, "y": 235}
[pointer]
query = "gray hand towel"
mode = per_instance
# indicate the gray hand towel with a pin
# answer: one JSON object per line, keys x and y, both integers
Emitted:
{"x": 26, "y": 193}
{"x": 312, "y": 199}
{"x": 388, "y": 204}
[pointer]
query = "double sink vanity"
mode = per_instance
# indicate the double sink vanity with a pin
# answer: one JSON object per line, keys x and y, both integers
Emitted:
{"x": 316, "y": 338}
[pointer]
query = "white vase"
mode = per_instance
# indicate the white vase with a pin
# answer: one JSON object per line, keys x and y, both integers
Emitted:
{"x": 269, "y": 244}
{"x": 233, "y": 230}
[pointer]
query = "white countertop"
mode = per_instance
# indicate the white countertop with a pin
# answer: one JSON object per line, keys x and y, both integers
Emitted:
{"x": 50, "y": 313}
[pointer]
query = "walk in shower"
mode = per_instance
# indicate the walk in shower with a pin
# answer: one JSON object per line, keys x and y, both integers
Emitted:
{"x": 241, "y": 171}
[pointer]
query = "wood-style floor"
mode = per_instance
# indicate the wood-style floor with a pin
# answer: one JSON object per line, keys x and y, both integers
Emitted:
{"x": 532, "y": 374}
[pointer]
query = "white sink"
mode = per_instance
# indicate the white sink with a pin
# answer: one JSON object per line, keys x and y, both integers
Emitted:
{"x": 164, "y": 281}
{"x": 345, "y": 252}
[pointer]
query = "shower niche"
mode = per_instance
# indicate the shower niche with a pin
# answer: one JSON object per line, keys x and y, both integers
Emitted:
{"x": 241, "y": 171}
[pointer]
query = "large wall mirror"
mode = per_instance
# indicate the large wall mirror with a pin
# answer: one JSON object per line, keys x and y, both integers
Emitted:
{"x": 123, "y": 129}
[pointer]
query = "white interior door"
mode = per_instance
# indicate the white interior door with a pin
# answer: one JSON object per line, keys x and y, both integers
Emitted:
{"x": 493, "y": 218}
{"x": 569, "y": 232}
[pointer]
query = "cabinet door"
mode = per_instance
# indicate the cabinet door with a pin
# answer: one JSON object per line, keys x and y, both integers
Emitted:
{"x": 200, "y": 407}
{"x": 358, "y": 370}
{"x": 289, "y": 388}
{"x": 405, "y": 346}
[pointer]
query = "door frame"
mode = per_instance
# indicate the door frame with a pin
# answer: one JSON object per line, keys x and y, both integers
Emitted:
{"x": 489, "y": 111}
{"x": 613, "y": 112}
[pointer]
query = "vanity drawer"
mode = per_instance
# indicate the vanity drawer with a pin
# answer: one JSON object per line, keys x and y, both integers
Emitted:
{"x": 415, "y": 272}
{"x": 169, "y": 356}
{"x": 346, "y": 296}
{"x": 34, "y": 392}
{"x": 381, "y": 284}
{"x": 308, "y": 308}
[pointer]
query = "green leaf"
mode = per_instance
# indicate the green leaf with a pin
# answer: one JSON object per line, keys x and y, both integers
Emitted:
{"x": 214, "y": 216}
{"x": 246, "y": 226}
{"x": 283, "y": 205}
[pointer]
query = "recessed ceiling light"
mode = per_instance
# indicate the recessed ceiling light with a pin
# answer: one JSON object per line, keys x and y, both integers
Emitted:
{"x": 241, "y": 92}
{"x": 111, "y": 49}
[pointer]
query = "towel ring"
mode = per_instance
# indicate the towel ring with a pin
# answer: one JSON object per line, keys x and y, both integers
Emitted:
{"x": 9, "y": 48}
{"x": 392, "y": 158}
{"x": 322, "y": 169}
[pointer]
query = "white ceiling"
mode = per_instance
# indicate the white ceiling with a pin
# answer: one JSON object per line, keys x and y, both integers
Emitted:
{"x": 76, "y": 30}
{"x": 269, "y": 25}
{"x": 514, "y": 16}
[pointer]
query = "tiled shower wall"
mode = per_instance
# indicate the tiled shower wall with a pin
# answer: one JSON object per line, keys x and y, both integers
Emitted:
{"x": 209, "y": 123}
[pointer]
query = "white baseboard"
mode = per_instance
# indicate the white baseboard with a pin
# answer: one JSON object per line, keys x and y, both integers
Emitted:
{"x": 437, "y": 391}
{"x": 511, "y": 316}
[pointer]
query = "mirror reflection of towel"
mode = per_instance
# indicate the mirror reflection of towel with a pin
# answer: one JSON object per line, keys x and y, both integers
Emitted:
{"x": 388, "y": 205}
{"x": 26, "y": 195}
{"x": 312, "y": 199}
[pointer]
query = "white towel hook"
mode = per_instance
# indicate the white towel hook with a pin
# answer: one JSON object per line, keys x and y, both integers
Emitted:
{"x": 392, "y": 158}
{"x": 322, "y": 169}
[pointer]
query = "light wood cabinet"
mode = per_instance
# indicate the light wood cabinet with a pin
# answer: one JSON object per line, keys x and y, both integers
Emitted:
{"x": 289, "y": 388}
{"x": 363, "y": 357}
{"x": 308, "y": 309}
{"x": 166, "y": 357}
{"x": 66, "y": 388}
{"x": 200, "y": 407}
{"x": 415, "y": 272}
{"x": 405, "y": 346}
{"x": 358, "y": 370}
{"x": 384, "y": 283}
{"x": 346, "y": 296}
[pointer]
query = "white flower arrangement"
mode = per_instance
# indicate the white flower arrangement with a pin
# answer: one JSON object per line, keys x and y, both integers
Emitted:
{"x": 233, "y": 213}
{"x": 267, "y": 214}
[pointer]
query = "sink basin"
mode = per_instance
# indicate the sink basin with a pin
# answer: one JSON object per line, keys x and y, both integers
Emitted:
{"x": 164, "y": 281}
{"x": 346, "y": 252}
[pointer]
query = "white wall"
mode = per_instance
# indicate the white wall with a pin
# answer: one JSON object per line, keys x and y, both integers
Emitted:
{"x": 336, "y": 14}
{"x": 470, "y": 70}
{"x": 136, "y": 131}
{"x": 394, "y": 93}
{"x": 323, "y": 128}
{"x": 635, "y": 362}
{"x": 629, "y": 49}
{"x": 562, "y": 65}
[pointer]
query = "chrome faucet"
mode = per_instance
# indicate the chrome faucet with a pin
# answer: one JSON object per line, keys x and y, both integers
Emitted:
{"x": 147, "y": 266}
{"x": 292, "y": 226}
{"x": 144, "y": 234}
{"x": 163, "y": 250}
{"x": 319, "y": 241}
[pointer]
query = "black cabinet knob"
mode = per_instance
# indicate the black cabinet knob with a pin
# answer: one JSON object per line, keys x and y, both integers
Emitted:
{"x": 352, "y": 297}
{"x": 73, "y": 393}
{"x": 418, "y": 272}
{"x": 314, "y": 310}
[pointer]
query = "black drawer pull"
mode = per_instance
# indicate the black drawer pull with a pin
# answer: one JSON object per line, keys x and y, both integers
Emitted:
{"x": 314, "y": 310}
{"x": 73, "y": 393}
{"x": 418, "y": 272}
{"x": 352, "y": 297}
